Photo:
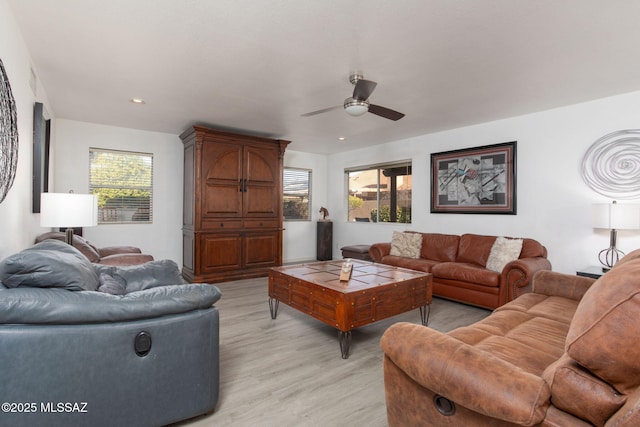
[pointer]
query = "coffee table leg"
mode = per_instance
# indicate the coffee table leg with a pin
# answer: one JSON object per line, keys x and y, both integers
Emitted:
{"x": 345, "y": 340}
{"x": 273, "y": 307}
{"x": 424, "y": 314}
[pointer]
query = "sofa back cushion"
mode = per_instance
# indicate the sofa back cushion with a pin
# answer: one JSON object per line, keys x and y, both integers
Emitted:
{"x": 439, "y": 247}
{"x": 49, "y": 264}
{"x": 86, "y": 248}
{"x": 475, "y": 249}
{"x": 576, "y": 391}
{"x": 152, "y": 274}
{"x": 603, "y": 336}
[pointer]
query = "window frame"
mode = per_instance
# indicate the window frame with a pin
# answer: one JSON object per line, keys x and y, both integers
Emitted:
{"x": 95, "y": 188}
{"x": 309, "y": 173}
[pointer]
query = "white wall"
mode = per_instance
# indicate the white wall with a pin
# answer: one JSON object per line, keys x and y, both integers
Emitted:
{"x": 162, "y": 238}
{"x": 553, "y": 202}
{"x": 299, "y": 237}
{"x": 19, "y": 225}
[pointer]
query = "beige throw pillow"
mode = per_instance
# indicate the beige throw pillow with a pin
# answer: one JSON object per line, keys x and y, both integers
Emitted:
{"x": 503, "y": 252}
{"x": 407, "y": 245}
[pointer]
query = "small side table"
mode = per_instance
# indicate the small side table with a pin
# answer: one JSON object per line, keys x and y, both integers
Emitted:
{"x": 324, "y": 241}
{"x": 591, "y": 271}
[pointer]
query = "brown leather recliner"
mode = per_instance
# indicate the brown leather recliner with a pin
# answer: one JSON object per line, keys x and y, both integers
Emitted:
{"x": 110, "y": 255}
{"x": 566, "y": 354}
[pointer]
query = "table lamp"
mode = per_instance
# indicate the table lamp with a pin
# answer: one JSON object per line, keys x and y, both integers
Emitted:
{"x": 614, "y": 217}
{"x": 68, "y": 210}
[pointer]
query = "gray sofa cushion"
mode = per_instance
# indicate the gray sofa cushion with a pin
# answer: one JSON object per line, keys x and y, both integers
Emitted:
{"x": 58, "y": 306}
{"x": 114, "y": 285}
{"x": 49, "y": 264}
{"x": 149, "y": 275}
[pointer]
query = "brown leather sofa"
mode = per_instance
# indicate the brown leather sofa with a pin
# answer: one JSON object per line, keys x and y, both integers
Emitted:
{"x": 458, "y": 266}
{"x": 110, "y": 255}
{"x": 566, "y": 354}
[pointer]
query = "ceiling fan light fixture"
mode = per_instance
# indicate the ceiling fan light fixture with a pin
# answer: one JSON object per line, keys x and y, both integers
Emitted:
{"x": 355, "y": 107}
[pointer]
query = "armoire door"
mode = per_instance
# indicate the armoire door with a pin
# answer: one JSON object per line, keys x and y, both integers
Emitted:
{"x": 222, "y": 179}
{"x": 261, "y": 182}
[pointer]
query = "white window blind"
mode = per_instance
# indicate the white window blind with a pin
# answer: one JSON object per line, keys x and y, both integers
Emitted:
{"x": 297, "y": 194}
{"x": 123, "y": 182}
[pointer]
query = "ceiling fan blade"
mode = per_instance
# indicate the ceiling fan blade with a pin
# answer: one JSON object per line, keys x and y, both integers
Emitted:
{"x": 324, "y": 110}
{"x": 385, "y": 112}
{"x": 363, "y": 89}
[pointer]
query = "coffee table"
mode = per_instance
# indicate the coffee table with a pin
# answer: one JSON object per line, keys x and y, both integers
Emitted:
{"x": 374, "y": 292}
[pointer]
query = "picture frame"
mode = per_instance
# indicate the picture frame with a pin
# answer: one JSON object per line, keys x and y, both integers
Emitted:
{"x": 479, "y": 180}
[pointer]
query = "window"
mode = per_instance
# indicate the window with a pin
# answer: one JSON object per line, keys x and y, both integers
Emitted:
{"x": 297, "y": 194}
{"x": 380, "y": 193}
{"x": 122, "y": 180}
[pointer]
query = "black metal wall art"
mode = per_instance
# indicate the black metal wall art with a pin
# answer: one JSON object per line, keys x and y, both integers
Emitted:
{"x": 8, "y": 135}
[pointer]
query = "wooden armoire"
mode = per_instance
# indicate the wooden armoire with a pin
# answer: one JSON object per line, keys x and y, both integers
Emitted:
{"x": 232, "y": 214}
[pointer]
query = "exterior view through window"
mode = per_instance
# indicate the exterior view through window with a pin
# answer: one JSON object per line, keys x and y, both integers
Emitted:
{"x": 122, "y": 180}
{"x": 297, "y": 194}
{"x": 380, "y": 193}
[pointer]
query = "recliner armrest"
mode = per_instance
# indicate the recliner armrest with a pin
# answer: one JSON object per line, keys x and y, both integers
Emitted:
{"x": 470, "y": 377}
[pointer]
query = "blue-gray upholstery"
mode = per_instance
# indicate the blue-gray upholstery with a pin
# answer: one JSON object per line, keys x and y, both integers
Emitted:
{"x": 68, "y": 356}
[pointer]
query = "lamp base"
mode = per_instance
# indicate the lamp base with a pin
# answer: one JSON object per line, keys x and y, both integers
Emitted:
{"x": 69, "y": 236}
{"x": 608, "y": 257}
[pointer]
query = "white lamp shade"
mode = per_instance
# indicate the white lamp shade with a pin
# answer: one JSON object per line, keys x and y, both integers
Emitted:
{"x": 615, "y": 216}
{"x": 68, "y": 210}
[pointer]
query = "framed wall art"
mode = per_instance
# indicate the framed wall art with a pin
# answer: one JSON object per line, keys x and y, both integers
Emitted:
{"x": 480, "y": 180}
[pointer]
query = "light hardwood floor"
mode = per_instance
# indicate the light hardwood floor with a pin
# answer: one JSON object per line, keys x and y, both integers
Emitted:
{"x": 289, "y": 372}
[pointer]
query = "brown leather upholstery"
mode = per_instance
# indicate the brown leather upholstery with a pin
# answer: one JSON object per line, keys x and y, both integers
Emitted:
{"x": 458, "y": 267}
{"x": 110, "y": 255}
{"x": 566, "y": 354}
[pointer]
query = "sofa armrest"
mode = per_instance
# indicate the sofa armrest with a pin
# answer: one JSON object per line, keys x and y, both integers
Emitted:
{"x": 125, "y": 259}
{"x": 518, "y": 275}
{"x": 114, "y": 250}
{"x": 470, "y": 377}
{"x": 560, "y": 284}
{"x": 379, "y": 250}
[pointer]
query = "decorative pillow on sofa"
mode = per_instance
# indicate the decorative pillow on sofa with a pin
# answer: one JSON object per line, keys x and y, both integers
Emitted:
{"x": 406, "y": 244}
{"x": 503, "y": 252}
{"x": 49, "y": 264}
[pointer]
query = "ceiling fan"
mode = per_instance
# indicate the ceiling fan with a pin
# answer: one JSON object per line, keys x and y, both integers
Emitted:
{"x": 358, "y": 104}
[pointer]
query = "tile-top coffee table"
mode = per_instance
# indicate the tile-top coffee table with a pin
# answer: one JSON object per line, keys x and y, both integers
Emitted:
{"x": 374, "y": 292}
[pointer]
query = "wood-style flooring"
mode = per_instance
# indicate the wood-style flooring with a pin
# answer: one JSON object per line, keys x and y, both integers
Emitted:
{"x": 289, "y": 372}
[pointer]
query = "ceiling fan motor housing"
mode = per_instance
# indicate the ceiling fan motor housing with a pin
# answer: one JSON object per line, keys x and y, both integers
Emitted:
{"x": 356, "y": 107}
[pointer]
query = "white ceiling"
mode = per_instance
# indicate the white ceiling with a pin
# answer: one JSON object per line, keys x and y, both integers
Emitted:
{"x": 257, "y": 65}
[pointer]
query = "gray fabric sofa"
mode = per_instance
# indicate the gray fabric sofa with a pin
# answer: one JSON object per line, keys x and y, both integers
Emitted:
{"x": 83, "y": 344}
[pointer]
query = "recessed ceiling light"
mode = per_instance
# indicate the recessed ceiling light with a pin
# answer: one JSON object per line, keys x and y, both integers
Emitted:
{"x": 137, "y": 101}
{"x": 341, "y": 138}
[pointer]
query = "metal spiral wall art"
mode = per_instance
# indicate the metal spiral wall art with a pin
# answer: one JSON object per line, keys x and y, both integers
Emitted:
{"x": 8, "y": 135}
{"x": 611, "y": 166}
